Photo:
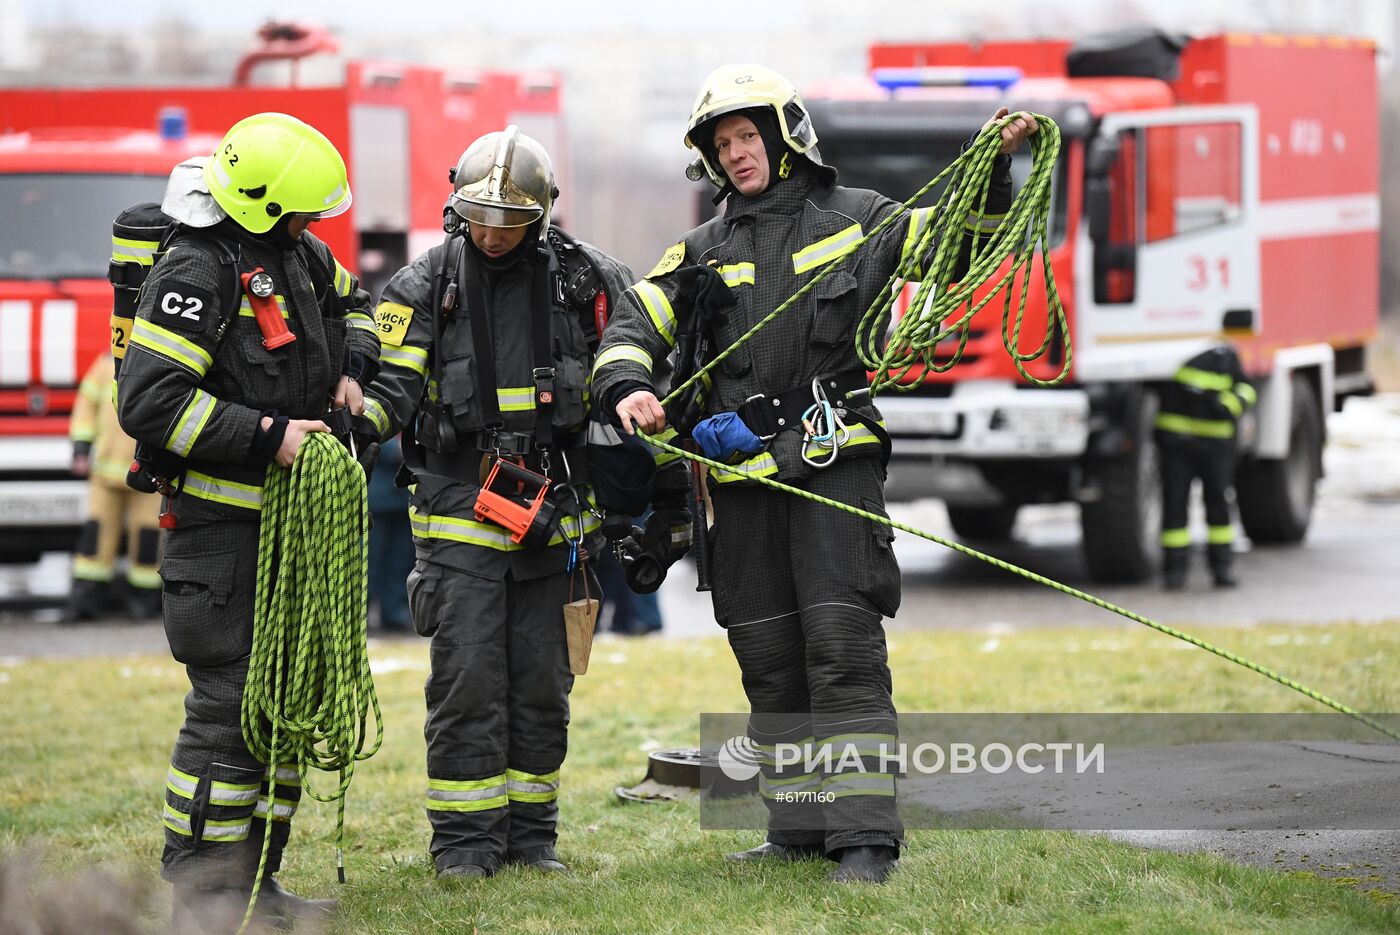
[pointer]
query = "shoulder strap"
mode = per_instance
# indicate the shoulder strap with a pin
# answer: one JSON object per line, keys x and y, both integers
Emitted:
{"x": 583, "y": 283}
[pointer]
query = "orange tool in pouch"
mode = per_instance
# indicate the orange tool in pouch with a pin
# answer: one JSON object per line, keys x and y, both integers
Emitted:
{"x": 524, "y": 512}
{"x": 257, "y": 286}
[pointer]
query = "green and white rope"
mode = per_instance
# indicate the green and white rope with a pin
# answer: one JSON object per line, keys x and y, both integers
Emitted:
{"x": 309, "y": 692}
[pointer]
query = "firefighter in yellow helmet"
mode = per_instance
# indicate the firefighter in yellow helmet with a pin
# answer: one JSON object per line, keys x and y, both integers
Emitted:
{"x": 247, "y": 330}
{"x": 497, "y": 324}
{"x": 102, "y": 453}
{"x": 800, "y": 587}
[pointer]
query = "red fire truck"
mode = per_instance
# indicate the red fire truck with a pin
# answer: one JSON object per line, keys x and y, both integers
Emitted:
{"x": 1227, "y": 190}
{"x": 71, "y": 159}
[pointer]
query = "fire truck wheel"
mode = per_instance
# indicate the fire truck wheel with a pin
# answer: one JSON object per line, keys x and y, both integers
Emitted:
{"x": 1276, "y": 496}
{"x": 983, "y": 523}
{"x": 1121, "y": 529}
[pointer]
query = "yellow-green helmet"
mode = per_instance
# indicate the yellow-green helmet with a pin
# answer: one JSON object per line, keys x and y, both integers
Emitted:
{"x": 504, "y": 179}
{"x": 271, "y": 165}
{"x": 731, "y": 88}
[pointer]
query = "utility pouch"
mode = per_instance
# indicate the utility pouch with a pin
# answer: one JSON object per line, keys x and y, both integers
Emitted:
{"x": 525, "y": 511}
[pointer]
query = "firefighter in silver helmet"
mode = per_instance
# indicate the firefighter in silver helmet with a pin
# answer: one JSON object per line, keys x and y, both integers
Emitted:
{"x": 487, "y": 343}
{"x": 800, "y": 587}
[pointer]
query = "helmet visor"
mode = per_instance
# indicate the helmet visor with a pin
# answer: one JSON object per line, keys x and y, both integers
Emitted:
{"x": 495, "y": 214}
{"x": 339, "y": 207}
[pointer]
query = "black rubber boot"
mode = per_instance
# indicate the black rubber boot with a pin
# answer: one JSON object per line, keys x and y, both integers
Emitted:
{"x": 1222, "y": 565}
{"x": 547, "y": 865}
{"x": 143, "y": 603}
{"x": 865, "y": 864}
{"x": 210, "y": 911}
{"x": 282, "y": 909}
{"x": 1174, "y": 564}
{"x": 86, "y": 601}
{"x": 770, "y": 851}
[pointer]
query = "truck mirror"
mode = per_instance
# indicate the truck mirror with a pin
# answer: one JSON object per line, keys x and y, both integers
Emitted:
{"x": 1096, "y": 207}
{"x": 1103, "y": 153}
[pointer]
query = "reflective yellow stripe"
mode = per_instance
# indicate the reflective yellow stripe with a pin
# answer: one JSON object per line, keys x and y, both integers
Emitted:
{"x": 515, "y": 398}
{"x": 171, "y": 346}
{"x": 139, "y": 576}
{"x": 90, "y": 569}
{"x": 134, "y": 251}
{"x": 406, "y": 356}
{"x": 531, "y": 787}
{"x": 488, "y": 535}
{"x": 857, "y": 435}
{"x": 342, "y": 280}
{"x": 760, "y": 465}
{"x": 374, "y": 411}
{"x": 1176, "y": 538}
{"x": 622, "y": 352}
{"x": 854, "y": 783}
{"x": 469, "y": 795}
{"x": 1220, "y": 535}
{"x": 911, "y": 254}
{"x": 660, "y": 455}
{"x": 1204, "y": 379}
{"x": 737, "y": 274}
{"x": 826, "y": 250}
{"x": 657, "y": 306}
{"x": 191, "y": 423}
{"x": 1232, "y": 402}
{"x": 245, "y": 308}
{"x": 361, "y": 321}
{"x": 982, "y": 223}
{"x": 219, "y": 490}
{"x": 1201, "y": 428}
{"x": 1246, "y": 392}
{"x": 225, "y": 832}
{"x": 282, "y": 809}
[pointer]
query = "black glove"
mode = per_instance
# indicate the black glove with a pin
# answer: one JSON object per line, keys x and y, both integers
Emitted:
{"x": 705, "y": 290}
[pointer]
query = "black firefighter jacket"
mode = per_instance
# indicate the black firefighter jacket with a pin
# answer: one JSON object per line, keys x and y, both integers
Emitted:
{"x": 196, "y": 378}
{"x": 766, "y": 248}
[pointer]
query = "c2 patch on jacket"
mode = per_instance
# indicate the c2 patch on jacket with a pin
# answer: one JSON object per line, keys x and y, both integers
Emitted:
{"x": 393, "y": 320}
{"x": 669, "y": 261}
{"x": 185, "y": 308}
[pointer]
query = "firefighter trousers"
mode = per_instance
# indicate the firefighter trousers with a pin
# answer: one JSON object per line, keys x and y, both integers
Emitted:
{"x": 498, "y": 711}
{"x": 112, "y": 509}
{"x": 1184, "y": 458}
{"x": 217, "y": 794}
{"x": 801, "y": 589}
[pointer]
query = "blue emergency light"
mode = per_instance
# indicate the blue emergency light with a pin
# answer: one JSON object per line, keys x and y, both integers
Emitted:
{"x": 174, "y": 124}
{"x": 930, "y": 76}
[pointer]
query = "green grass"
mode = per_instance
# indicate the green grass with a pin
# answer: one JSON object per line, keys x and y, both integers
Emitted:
{"x": 85, "y": 745}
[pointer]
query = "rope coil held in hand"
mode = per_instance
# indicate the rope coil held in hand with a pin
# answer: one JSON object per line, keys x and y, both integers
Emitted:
{"x": 309, "y": 691}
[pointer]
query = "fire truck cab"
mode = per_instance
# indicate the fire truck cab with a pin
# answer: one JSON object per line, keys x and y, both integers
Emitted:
{"x": 71, "y": 159}
{"x": 1224, "y": 191}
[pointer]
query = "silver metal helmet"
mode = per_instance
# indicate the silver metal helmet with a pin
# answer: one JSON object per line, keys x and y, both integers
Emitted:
{"x": 504, "y": 179}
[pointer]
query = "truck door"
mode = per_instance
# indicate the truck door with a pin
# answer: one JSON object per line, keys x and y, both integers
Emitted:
{"x": 1169, "y": 258}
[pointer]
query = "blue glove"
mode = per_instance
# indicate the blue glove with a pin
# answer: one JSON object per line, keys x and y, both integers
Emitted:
{"x": 724, "y": 435}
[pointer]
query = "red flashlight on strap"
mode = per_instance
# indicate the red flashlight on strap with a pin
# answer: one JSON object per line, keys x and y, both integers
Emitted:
{"x": 257, "y": 286}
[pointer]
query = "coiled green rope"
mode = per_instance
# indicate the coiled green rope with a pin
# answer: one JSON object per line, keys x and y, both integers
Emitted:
{"x": 1021, "y": 236}
{"x": 309, "y": 691}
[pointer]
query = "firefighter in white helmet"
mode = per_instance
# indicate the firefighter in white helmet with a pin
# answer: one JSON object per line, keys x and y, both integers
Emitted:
{"x": 800, "y": 587}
